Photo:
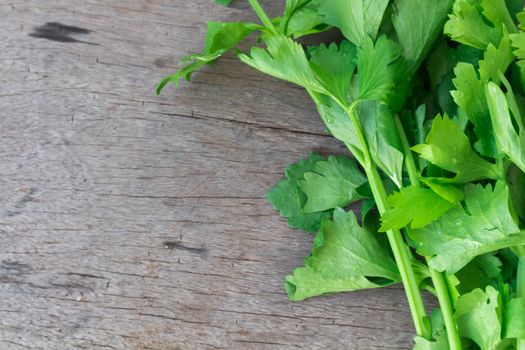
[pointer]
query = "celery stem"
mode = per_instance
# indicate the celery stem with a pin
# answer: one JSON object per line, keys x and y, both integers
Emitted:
{"x": 256, "y": 6}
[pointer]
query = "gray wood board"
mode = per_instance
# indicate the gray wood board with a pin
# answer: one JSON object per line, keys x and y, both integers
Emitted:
{"x": 131, "y": 221}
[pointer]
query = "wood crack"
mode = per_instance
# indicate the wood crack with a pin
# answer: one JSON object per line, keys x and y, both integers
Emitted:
{"x": 245, "y": 123}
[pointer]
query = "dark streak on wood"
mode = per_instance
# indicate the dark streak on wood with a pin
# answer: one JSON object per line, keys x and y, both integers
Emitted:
{"x": 179, "y": 245}
{"x": 59, "y": 32}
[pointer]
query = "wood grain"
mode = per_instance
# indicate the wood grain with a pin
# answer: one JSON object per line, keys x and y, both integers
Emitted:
{"x": 131, "y": 221}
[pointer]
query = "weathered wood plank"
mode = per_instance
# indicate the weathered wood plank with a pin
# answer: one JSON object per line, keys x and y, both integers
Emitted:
{"x": 130, "y": 221}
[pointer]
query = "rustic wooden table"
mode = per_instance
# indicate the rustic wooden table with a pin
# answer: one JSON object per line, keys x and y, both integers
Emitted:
{"x": 130, "y": 221}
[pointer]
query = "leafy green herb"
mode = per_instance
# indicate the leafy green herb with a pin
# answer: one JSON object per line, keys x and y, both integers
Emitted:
{"x": 383, "y": 73}
{"x": 418, "y": 23}
{"x": 449, "y": 148}
{"x": 301, "y": 18}
{"x": 439, "y": 335}
{"x": 357, "y": 19}
{"x": 288, "y": 199}
{"x": 220, "y": 38}
{"x": 478, "y": 23}
{"x": 508, "y": 140}
{"x": 416, "y": 206}
{"x": 331, "y": 184}
{"x": 334, "y": 66}
{"x": 451, "y": 187}
{"x": 314, "y": 187}
{"x": 481, "y": 272}
{"x": 286, "y": 60}
{"x": 484, "y": 224}
{"x": 383, "y": 141}
{"x": 479, "y": 317}
{"x": 514, "y": 319}
{"x": 347, "y": 258}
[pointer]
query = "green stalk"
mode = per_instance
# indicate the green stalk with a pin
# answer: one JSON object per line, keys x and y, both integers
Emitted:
{"x": 447, "y": 310}
{"x": 397, "y": 244}
{"x": 257, "y": 8}
{"x": 438, "y": 278}
{"x": 520, "y": 344}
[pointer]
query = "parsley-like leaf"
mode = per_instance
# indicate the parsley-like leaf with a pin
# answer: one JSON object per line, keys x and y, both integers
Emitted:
{"x": 287, "y": 198}
{"x": 418, "y": 24}
{"x": 383, "y": 73}
{"x": 478, "y": 314}
{"x": 496, "y": 60}
{"x": 470, "y": 92}
{"x": 284, "y": 59}
{"x": 445, "y": 190}
{"x": 220, "y": 38}
{"x": 514, "y": 319}
{"x": 331, "y": 184}
{"x": 479, "y": 22}
{"x": 357, "y": 19}
{"x": 508, "y": 140}
{"x": 484, "y": 224}
{"x": 518, "y": 44}
{"x": 449, "y": 148}
{"x": 416, "y": 206}
{"x": 382, "y": 138}
{"x": 301, "y": 18}
{"x": 339, "y": 124}
{"x": 334, "y": 66}
{"x": 439, "y": 334}
{"x": 482, "y": 271}
{"x": 347, "y": 257}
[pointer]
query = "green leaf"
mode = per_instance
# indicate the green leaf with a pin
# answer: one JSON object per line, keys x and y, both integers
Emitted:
{"x": 301, "y": 18}
{"x": 418, "y": 23}
{"x": 479, "y": 22}
{"x": 469, "y": 96}
{"x": 439, "y": 334}
{"x": 349, "y": 258}
{"x": 496, "y": 60}
{"x": 440, "y": 62}
{"x": 331, "y": 184}
{"x": 483, "y": 224}
{"x": 449, "y": 148}
{"x": 514, "y": 319}
{"x": 478, "y": 314}
{"x": 516, "y": 181}
{"x": 284, "y": 59}
{"x": 470, "y": 92}
{"x": 482, "y": 271}
{"x": 357, "y": 19}
{"x": 447, "y": 191}
{"x": 223, "y": 2}
{"x": 288, "y": 199}
{"x": 516, "y": 104}
{"x": 416, "y": 206}
{"x": 292, "y": 6}
{"x": 382, "y": 138}
{"x": 439, "y": 344}
{"x": 338, "y": 124}
{"x": 521, "y": 19}
{"x": 334, "y": 66}
{"x": 514, "y": 6}
{"x": 220, "y": 38}
{"x": 518, "y": 44}
{"x": 383, "y": 73}
{"x": 508, "y": 140}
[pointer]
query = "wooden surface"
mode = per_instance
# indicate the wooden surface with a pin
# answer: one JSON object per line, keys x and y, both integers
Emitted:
{"x": 130, "y": 221}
